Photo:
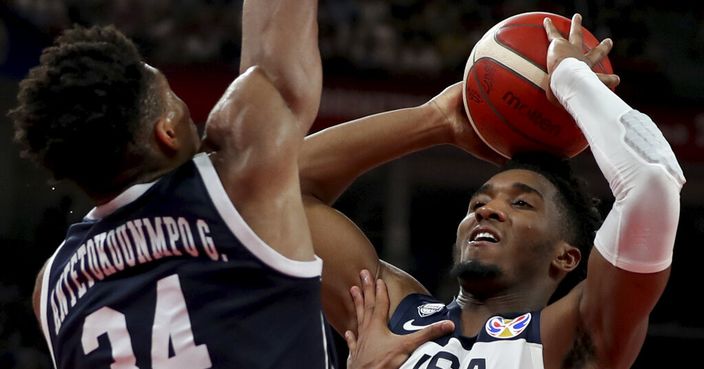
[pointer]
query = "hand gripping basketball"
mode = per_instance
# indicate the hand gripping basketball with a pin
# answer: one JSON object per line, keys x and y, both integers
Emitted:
{"x": 506, "y": 82}
{"x": 560, "y": 48}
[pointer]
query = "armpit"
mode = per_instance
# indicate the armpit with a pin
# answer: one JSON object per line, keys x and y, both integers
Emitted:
{"x": 582, "y": 354}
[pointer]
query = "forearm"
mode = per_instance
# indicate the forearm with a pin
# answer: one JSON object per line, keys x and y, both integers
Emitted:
{"x": 642, "y": 171}
{"x": 281, "y": 37}
{"x": 333, "y": 158}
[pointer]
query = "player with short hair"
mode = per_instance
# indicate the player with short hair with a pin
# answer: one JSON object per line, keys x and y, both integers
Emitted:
{"x": 189, "y": 259}
{"x": 526, "y": 230}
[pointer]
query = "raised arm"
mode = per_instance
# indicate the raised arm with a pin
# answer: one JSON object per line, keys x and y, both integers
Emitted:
{"x": 629, "y": 267}
{"x": 281, "y": 37}
{"x": 256, "y": 129}
{"x": 334, "y": 158}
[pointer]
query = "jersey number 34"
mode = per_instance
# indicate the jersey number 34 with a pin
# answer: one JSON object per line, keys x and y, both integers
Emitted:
{"x": 171, "y": 323}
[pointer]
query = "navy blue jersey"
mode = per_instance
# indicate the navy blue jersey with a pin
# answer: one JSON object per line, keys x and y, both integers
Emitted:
{"x": 508, "y": 341}
{"x": 168, "y": 275}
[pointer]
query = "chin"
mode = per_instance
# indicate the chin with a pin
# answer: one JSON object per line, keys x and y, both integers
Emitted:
{"x": 473, "y": 270}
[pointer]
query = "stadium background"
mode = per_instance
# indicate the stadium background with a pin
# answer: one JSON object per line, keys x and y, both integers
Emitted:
{"x": 377, "y": 55}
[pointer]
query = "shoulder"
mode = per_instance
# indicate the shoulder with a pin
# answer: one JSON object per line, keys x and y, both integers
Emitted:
{"x": 416, "y": 311}
{"x": 252, "y": 93}
{"x": 400, "y": 284}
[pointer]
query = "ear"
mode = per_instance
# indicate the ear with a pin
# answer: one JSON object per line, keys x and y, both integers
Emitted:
{"x": 567, "y": 257}
{"x": 165, "y": 132}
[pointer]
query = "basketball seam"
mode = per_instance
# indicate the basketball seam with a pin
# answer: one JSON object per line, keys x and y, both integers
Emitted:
{"x": 517, "y": 52}
{"x": 512, "y": 60}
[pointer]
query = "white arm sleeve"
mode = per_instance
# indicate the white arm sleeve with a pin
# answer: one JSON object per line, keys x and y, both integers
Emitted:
{"x": 638, "y": 234}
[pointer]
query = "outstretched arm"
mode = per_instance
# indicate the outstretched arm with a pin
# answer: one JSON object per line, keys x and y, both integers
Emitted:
{"x": 629, "y": 267}
{"x": 334, "y": 158}
{"x": 256, "y": 129}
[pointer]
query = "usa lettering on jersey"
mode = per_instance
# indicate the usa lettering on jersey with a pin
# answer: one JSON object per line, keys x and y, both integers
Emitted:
{"x": 451, "y": 356}
{"x": 134, "y": 242}
{"x": 504, "y": 354}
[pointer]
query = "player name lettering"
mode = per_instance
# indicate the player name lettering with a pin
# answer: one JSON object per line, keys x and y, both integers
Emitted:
{"x": 135, "y": 242}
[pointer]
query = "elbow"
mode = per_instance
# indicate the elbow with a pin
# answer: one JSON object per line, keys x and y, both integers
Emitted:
{"x": 318, "y": 172}
{"x": 301, "y": 91}
{"x": 661, "y": 170}
{"x": 299, "y": 85}
{"x": 315, "y": 188}
{"x": 654, "y": 194}
{"x": 639, "y": 233}
{"x": 650, "y": 184}
{"x": 656, "y": 181}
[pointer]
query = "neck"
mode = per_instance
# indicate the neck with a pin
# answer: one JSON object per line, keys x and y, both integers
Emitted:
{"x": 132, "y": 176}
{"x": 476, "y": 310}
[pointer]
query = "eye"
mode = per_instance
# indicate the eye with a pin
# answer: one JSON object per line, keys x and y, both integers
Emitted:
{"x": 476, "y": 205}
{"x": 522, "y": 204}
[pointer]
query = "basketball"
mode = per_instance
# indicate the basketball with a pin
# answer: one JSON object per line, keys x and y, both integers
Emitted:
{"x": 504, "y": 88}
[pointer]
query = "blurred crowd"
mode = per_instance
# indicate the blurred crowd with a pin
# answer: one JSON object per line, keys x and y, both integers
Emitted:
{"x": 657, "y": 45}
{"x": 391, "y": 37}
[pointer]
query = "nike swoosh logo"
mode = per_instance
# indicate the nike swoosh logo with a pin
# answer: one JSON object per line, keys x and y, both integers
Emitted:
{"x": 409, "y": 326}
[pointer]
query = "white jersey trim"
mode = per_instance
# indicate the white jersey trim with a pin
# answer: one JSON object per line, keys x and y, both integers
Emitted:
{"x": 250, "y": 240}
{"x": 126, "y": 197}
{"x": 325, "y": 341}
{"x": 43, "y": 303}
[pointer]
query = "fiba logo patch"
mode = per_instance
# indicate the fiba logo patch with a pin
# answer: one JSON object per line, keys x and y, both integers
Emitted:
{"x": 499, "y": 327}
{"x": 429, "y": 309}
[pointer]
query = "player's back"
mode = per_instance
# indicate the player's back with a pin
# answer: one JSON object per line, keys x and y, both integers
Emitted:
{"x": 168, "y": 275}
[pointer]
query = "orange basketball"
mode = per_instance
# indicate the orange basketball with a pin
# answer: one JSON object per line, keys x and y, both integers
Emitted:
{"x": 504, "y": 88}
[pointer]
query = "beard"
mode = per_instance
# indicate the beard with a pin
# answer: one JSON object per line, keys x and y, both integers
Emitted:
{"x": 474, "y": 270}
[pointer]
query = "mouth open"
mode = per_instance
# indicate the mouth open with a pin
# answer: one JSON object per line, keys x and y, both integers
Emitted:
{"x": 483, "y": 235}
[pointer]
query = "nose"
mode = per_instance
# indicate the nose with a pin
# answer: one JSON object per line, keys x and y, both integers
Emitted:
{"x": 489, "y": 212}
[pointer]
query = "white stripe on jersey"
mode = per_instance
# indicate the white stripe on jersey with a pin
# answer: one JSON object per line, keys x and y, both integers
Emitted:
{"x": 43, "y": 303}
{"x": 250, "y": 240}
{"x": 126, "y": 197}
{"x": 325, "y": 341}
{"x": 501, "y": 354}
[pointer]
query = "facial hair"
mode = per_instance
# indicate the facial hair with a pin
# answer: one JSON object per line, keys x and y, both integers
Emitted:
{"x": 474, "y": 270}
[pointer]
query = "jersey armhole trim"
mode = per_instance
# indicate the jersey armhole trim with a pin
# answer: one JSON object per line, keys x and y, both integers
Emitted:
{"x": 250, "y": 240}
{"x": 43, "y": 309}
{"x": 412, "y": 300}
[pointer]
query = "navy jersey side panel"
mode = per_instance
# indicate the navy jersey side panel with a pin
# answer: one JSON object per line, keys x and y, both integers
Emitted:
{"x": 416, "y": 311}
{"x": 165, "y": 280}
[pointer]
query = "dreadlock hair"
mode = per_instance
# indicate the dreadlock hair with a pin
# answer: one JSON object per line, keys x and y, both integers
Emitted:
{"x": 82, "y": 110}
{"x": 581, "y": 217}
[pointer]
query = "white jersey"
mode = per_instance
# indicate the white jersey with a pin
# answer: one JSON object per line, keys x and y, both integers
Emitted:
{"x": 511, "y": 341}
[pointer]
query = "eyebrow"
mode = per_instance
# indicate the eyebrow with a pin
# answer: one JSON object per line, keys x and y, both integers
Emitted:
{"x": 522, "y": 187}
{"x": 525, "y": 188}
